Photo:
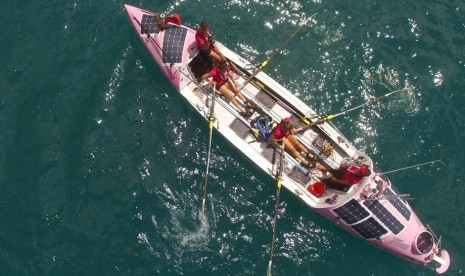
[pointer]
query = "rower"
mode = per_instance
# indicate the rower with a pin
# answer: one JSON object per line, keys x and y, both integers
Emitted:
{"x": 345, "y": 175}
{"x": 206, "y": 43}
{"x": 224, "y": 82}
{"x": 284, "y": 131}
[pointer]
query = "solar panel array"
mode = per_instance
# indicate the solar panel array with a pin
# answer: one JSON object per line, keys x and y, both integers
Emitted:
{"x": 147, "y": 25}
{"x": 370, "y": 229}
{"x": 351, "y": 212}
{"x": 397, "y": 203}
{"x": 173, "y": 44}
{"x": 384, "y": 216}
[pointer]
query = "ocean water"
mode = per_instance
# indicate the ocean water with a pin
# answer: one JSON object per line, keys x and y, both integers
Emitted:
{"x": 102, "y": 162}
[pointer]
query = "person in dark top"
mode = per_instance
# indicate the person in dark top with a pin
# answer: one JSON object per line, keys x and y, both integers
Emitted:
{"x": 345, "y": 175}
{"x": 285, "y": 131}
{"x": 206, "y": 43}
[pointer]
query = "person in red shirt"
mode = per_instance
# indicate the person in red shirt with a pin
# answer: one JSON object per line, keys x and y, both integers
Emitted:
{"x": 223, "y": 79}
{"x": 345, "y": 175}
{"x": 284, "y": 131}
{"x": 206, "y": 43}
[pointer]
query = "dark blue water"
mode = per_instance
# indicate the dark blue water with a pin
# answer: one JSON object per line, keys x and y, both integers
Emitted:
{"x": 102, "y": 162}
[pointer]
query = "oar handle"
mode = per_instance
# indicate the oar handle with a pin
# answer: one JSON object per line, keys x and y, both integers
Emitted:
{"x": 318, "y": 121}
{"x": 265, "y": 63}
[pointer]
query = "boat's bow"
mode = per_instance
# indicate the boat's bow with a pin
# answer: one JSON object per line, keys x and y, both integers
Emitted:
{"x": 170, "y": 45}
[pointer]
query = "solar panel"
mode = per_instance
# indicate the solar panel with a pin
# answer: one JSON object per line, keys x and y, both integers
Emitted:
{"x": 148, "y": 25}
{"x": 351, "y": 212}
{"x": 369, "y": 229}
{"x": 384, "y": 216}
{"x": 173, "y": 44}
{"x": 397, "y": 203}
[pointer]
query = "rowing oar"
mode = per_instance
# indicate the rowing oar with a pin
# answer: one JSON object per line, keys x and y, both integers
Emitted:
{"x": 332, "y": 116}
{"x": 279, "y": 176}
{"x": 263, "y": 64}
{"x": 211, "y": 120}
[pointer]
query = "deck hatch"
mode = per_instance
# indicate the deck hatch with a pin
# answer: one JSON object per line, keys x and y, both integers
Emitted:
{"x": 265, "y": 99}
{"x": 299, "y": 175}
{"x": 351, "y": 212}
{"x": 370, "y": 229}
{"x": 296, "y": 121}
{"x": 271, "y": 154}
{"x": 384, "y": 216}
{"x": 319, "y": 142}
{"x": 173, "y": 44}
{"x": 398, "y": 204}
{"x": 240, "y": 128}
{"x": 148, "y": 25}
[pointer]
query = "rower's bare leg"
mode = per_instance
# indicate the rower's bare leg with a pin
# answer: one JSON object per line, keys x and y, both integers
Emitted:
{"x": 215, "y": 56}
{"x": 218, "y": 53}
{"x": 238, "y": 93}
{"x": 299, "y": 145}
{"x": 290, "y": 147}
{"x": 225, "y": 92}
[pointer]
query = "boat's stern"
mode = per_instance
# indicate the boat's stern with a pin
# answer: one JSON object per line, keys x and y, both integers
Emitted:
{"x": 426, "y": 247}
{"x": 383, "y": 217}
{"x": 442, "y": 258}
{"x": 405, "y": 234}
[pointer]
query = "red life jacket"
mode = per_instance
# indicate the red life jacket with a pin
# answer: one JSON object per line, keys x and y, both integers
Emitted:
{"x": 174, "y": 19}
{"x": 218, "y": 76}
{"x": 279, "y": 132}
{"x": 352, "y": 174}
{"x": 202, "y": 40}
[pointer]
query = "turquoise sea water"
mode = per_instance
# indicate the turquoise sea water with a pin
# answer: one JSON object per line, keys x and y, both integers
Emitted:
{"x": 102, "y": 162}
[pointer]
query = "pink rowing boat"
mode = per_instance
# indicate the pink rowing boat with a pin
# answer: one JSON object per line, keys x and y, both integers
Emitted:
{"x": 371, "y": 210}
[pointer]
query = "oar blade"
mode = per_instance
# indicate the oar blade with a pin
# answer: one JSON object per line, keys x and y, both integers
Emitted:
{"x": 203, "y": 207}
{"x": 268, "y": 271}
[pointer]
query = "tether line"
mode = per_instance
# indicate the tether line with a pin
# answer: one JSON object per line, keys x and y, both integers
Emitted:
{"x": 413, "y": 166}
